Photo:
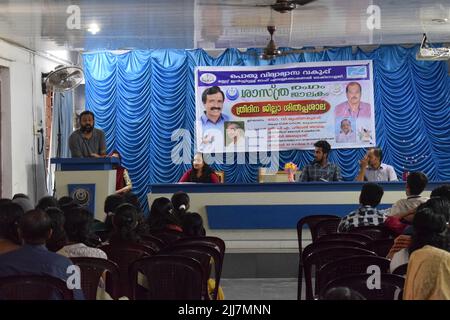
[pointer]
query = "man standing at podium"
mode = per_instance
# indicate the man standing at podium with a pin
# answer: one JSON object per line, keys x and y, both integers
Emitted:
{"x": 87, "y": 142}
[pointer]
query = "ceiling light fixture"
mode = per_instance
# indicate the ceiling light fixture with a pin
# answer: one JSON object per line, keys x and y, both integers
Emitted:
{"x": 93, "y": 28}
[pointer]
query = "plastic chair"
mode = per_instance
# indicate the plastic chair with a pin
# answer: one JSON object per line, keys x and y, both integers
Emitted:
{"x": 346, "y": 236}
{"x": 124, "y": 254}
{"x": 375, "y": 232}
{"x": 324, "y": 227}
{"x": 34, "y": 287}
{"x": 169, "y": 277}
{"x": 92, "y": 269}
{"x": 204, "y": 240}
{"x": 167, "y": 236}
{"x": 349, "y": 265}
{"x": 391, "y": 286}
{"x": 381, "y": 246}
{"x": 320, "y": 257}
{"x": 311, "y": 221}
{"x": 202, "y": 254}
{"x": 153, "y": 242}
{"x": 213, "y": 252}
{"x": 401, "y": 270}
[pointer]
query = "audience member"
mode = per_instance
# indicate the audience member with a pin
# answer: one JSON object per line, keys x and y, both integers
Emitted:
{"x": 46, "y": 202}
{"x": 192, "y": 224}
{"x": 57, "y": 239}
{"x": 78, "y": 227}
{"x": 125, "y": 222}
{"x": 180, "y": 202}
{"x": 10, "y": 213}
{"x": 367, "y": 214}
{"x": 25, "y": 203}
{"x": 161, "y": 216}
{"x": 430, "y": 227}
{"x": 428, "y": 275}
{"x": 33, "y": 257}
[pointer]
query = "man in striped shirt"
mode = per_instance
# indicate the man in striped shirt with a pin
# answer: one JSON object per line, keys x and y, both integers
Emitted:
{"x": 366, "y": 214}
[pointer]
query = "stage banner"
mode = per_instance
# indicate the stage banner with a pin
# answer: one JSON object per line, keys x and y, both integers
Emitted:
{"x": 84, "y": 195}
{"x": 284, "y": 107}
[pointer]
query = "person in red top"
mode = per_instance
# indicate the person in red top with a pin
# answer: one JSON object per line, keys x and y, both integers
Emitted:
{"x": 200, "y": 172}
{"x": 123, "y": 181}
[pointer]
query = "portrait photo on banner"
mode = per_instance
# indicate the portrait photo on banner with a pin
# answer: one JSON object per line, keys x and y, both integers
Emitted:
{"x": 285, "y": 107}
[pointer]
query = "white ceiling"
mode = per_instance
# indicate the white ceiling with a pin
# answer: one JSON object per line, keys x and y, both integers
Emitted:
{"x": 212, "y": 24}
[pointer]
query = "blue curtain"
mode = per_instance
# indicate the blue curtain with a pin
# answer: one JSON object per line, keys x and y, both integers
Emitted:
{"x": 140, "y": 97}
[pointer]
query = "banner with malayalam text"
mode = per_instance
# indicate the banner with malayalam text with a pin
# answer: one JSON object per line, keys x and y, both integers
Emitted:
{"x": 285, "y": 107}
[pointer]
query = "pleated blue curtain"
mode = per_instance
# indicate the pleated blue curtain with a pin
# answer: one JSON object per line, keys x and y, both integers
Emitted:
{"x": 140, "y": 98}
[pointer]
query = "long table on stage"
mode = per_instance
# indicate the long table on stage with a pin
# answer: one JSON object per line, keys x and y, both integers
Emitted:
{"x": 263, "y": 217}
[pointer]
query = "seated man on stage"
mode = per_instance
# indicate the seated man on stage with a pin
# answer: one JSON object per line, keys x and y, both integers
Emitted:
{"x": 320, "y": 169}
{"x": 87, "y": 142}
{"x": 372, "y": 169}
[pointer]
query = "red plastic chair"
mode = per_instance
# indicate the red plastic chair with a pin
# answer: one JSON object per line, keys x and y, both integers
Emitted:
{"x": 401, "y": 270}
{"x": 320, "y": 257}
{"x": 311, "y": 221}
{"x": 346, "y": 236}
{"x": 381, "y": 246}
{"x": 34, "y": 287}
{"x": 375, "y": 232}
{"x": 169, "y": 278}
{"x": 124, "y": 254}
{"x": 391, "y": 286}
{"x": 349, "y": 265}
{"x": 92, "y": 269}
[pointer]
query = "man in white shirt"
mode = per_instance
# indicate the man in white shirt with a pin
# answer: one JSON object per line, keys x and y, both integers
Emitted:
{"x": 415, "y": 184}
{"x": 373, "y": 170}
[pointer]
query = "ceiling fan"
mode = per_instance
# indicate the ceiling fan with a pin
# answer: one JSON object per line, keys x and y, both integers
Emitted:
{"x": 271, "y": 50}
{"x": 281, "y": 6}
{"x": 63, "y": 78}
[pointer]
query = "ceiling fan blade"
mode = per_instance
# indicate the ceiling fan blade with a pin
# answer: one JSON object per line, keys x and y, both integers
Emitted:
{"x": 221, "y": 4}
{"x": 302, "y": 2}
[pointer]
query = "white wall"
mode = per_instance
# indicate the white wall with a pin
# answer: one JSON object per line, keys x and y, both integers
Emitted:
{"x": 22, "y": 167}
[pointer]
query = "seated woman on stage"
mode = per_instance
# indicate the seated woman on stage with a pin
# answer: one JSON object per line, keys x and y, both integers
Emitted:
{"x": 200, "y": 172}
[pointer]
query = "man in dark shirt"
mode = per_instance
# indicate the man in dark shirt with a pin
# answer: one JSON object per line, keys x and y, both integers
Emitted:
{"x": 87, "y": 142}
{"x": 33, "y": 258}
{"x": 321, "y": 169}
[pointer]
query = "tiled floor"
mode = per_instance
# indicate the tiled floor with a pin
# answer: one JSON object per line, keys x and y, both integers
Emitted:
{"x": 260, "y": 289}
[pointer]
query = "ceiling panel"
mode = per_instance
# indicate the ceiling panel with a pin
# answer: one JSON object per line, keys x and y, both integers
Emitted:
{"x": 214, "y": 24}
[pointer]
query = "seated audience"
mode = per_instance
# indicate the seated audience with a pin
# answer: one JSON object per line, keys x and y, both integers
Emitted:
{"x": 430, "y": 227}
{"x": 33, "y": 257}
{"x": 404, "y": 240}
{"x": 180, "y": 202}
{"x": 79, "y": 234}
{"x": 66, "y": 201}
{"x": 111, "y": 203}
{"x": 192, "y": 224}
{"x": 125, "y": 222}
{"x": 58, "y": 238}
{"x": 367, "y": 214}
{"x": 46, "y": 202}
{"x": 428, "y": 276}
{"x": 10, "y": 213}
{"x": 201, "y": 172}
{"x": 401, "y": 213}
{"x": 373, "y": 170}
{"x": 161, "y": 217}
{"x": 25, "y": 203}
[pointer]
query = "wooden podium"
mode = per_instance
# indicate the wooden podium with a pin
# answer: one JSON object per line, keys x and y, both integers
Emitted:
{"x": 89, "y": 180}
